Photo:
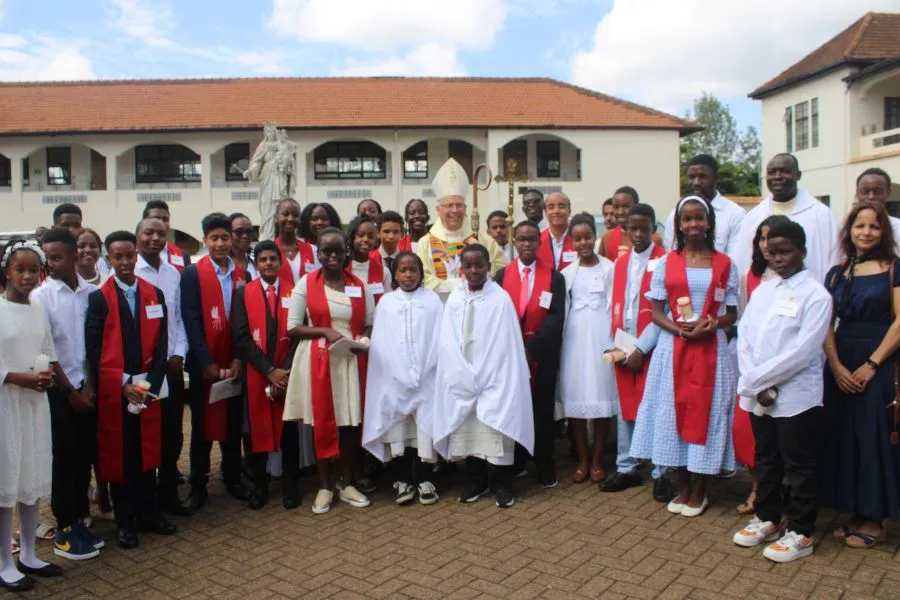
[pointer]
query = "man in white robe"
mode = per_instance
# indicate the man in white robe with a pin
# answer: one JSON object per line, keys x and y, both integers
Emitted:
{"x": 874, "y": 185}
{"x": 817, "y": 220}
{"x": 483, "y": 402}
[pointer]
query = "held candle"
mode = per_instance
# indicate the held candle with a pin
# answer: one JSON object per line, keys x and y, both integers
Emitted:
{"x": 684, "y": 308}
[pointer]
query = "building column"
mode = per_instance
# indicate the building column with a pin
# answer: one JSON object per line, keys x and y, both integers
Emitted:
{"x": 15, "y": 176}
{"x": 112, "y": 177}
{"x": 206, "y": 176}
{"x": 397, "y": 172}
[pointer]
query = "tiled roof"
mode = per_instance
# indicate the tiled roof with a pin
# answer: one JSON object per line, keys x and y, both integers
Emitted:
{"x": 317, "y": 103}
{"x": 874, "y": 37}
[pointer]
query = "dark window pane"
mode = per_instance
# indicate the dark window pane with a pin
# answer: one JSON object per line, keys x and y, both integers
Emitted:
{"x": 5, "y": 171}
{"x": 349, "y": 160}
{"x": 237, "y": 159}
{"x": 59, "y": 166}
{"x": 415, "y": 161}
{"x": 171, "y": 163}
{"x": 548, "y": 159}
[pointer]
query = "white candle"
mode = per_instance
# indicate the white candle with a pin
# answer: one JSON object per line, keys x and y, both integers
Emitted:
{"x": 42, "y": 363}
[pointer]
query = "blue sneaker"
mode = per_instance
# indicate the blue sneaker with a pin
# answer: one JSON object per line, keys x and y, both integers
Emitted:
{"x": 87, "y": 535}
{"x": 69, "y": 544}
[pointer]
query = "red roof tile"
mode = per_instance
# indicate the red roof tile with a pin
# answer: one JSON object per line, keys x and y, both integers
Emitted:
{"x": 874, "y": 37}
{"x": 316, "y": 103}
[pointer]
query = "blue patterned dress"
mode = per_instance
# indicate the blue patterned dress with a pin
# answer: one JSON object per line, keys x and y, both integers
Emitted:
{"x": 655, "y": 433}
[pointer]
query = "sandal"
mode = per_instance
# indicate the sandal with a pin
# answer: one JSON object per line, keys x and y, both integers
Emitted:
{"x": 841, "y": 533}
{"x": 749, "y": 505}
{"x": 579, "y": 476}
{"x": 45, "y": 532}
{"x": 598, "y": 475}
{"x": 867, "y": 540}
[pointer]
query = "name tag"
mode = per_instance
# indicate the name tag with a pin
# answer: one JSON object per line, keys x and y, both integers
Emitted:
{"x": 285, "y": 303}
{"x": 240, "y": 283}
{"x": 719, "y": 295}
{"x": 787, "y": 308}
{"x": 154, "y": 311}
{"x": 353, "y": 291}
{"x": 311, "y": 267}
{"x": 546, "y": 299}
{"x": 570, "y": 256}
{"x": 176, "y": 260}
{"x": 651, "y": 265}
{"x": 597, "y": 286}
{"x": 376, "y": 288}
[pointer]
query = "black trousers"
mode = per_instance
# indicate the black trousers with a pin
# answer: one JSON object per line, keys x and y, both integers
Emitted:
{"x": 409, "y": 468}
{"x": 135, "y": 499}
{"x": 480, "y": 470}
{"x": 74, "y": 439}
{"x": 290, "y": 457}
{"x": 172, "y": 434}
{"x": 788, "y": 448}
{"x": 542, "y": 405}
{"x": 201, "y": 449}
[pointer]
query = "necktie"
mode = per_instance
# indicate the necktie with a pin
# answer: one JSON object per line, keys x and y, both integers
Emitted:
{"x": 130, "y": 296}
{"x": 270, "y": 294}
{"x": 523, "y": 292}
{"x": 388, "y": 263}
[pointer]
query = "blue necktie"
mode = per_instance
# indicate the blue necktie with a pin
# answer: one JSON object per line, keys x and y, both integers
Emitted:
{"x": 132, "y": 300}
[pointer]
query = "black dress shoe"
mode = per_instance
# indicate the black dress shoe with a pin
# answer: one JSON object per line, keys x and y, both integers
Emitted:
{"x": 258, "y": 499}
{"x": 237, "y": 490}
{"x": 196, "y": 498}
{"x": 170, "y": 503}
{"x": 291, "y": 498}
{"x": 662, "y": 491}
{"x": 48, "y": 570}
{"x": 22, "y": 585}
{"x": 159, "y": 526}
{"x": 127, "y": 538}
{"x": 621, "y": 482}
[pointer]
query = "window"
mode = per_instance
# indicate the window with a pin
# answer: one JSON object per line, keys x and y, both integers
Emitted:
{"x": 59, "y": 166}
{"x": 5, "y": 171}
{"x": 170, "y": 163}
{"x": 461, "y": 152}
{"x": 349, "y": 160}
{"x": 891, "y": 119}
{"x": 548, "y": 159}
{"x": 801, "y": 125}
{"x": 518, "y": 151}
{"x": 26, "y": 172}
{"x": 814, "y": 109}
{"x": 237, "y": 159}
{"x": 789, "y": 128}
{"x": 415, "y": 161}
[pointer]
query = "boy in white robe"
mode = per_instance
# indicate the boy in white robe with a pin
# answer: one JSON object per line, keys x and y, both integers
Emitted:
{"x": 483, "y": 401}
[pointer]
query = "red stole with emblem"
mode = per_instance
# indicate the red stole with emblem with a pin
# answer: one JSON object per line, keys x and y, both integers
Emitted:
{"x": 219, "y": 343}
{"x": 286, "y": 275}
{"x": 694, "y": 362}
{"x": 630, "y": 383}
{"x": 265, "y": 414}
{"x": 174, "y": 250}
{"x": 110, "y": 402}
{"x": 376, "y": 273}
{"x": 615, "y": 240}
{"x": 325, "y": 431}
{"x": 545, "y": 252}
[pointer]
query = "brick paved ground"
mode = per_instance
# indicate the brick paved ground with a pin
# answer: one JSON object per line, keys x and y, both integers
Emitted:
{"x": 570, "y": 542}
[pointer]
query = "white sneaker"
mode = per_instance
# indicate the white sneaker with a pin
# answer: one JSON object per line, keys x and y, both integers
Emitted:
{"x": 756, "y": 532}
{"x": 405, "y": 492}
{"x": 427, "y": 493}
{"x": 353, "y": 497}
{"x": 322, "y": 503}
{"x": 790, "y": 547}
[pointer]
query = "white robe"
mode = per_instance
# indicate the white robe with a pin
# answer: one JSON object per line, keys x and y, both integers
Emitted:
{"x": 482, "y": 371}
{"x": 819, "y": 223}
{"x": 400, "y": 384}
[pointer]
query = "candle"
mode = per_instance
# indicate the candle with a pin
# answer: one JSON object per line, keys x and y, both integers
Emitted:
{"x": 613, "y": 356}
{"x": 42, "y": 363}
{"x": 685, "y": 309}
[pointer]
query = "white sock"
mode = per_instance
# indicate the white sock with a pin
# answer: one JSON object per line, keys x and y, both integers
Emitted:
{"x": 8, "y": 571}
{"x": 28, "y": 523}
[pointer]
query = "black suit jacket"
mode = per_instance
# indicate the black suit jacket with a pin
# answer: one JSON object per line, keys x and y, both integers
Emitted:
{"x": 545, "y": 345}
{"x": 245, "y": 346}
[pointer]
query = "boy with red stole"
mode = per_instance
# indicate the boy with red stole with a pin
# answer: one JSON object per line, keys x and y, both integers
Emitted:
{"x": 172, "y": 254}
{"x": 126, "y": 337}
{"x": 556, "y": 247}
{"x": 632, "y": 314}
{"x": 538, "y": 292}
{"x": 617, "y": 241}
{"x": 259, "y": 323}
{"x": 207, "y": 289}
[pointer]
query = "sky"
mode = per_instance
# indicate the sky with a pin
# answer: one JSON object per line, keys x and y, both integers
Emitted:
{"x": 661, "y": 53}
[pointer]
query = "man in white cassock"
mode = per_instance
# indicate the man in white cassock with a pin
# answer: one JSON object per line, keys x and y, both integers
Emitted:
{"x": 817, "y": 220}
{"x": 440, "y": 249}
{"x": 482, "y": 403}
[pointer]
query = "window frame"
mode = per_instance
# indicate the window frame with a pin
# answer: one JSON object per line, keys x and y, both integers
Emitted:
{"x": 62, "y": 161}
{"x": 339, "y": 158}
{"x": 543, "y": 161}
{"x": 178, "y": 175}
{"x": 5, "y": 171}
{"x": 789, "y": 127}
{"x": 814, "y": 121}
{"x": 801, "y": 125}
{"x": 232, "y": 155}
{"x": 410, "y": 155}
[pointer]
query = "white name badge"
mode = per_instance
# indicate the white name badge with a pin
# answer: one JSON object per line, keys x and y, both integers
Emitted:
{"x": 353, "y": 291}
{"x": 597, "y": 286}
{"x": 376, "y": 288}
{"x": 651, "y": 265}
{"x": 154, "y": 311}
{"x": 240, "y": 283}
{"x": 285, "y": 303}
{"x": 719, "y": 295}
{"x": 570, "y": 256}
{"x": 311, "y": 267}
{"x": 787, "y": 308}
{"x": 546, "y": 299}
{"x": 176, "y": 260}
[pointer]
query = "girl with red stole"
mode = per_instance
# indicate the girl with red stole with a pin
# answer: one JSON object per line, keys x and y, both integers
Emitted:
{"x": 684, "y": 419}
{"x": 299, "y": 257}
{"x": 328, "y": 388}
{"x": 367, "y": 265}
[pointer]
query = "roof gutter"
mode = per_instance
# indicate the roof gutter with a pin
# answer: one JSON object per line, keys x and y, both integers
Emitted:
{"x": 762, "y": 92}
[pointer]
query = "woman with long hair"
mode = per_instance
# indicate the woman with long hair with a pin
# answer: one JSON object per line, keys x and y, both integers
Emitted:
{"x": 316, "y": 217}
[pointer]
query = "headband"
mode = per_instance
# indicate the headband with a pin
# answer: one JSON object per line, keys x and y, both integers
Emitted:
{"x": 687, "y": 199}
{"x": 21, "y": 245}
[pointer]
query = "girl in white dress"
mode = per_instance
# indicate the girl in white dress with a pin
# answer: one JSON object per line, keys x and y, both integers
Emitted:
{"x": 26, "y": 459}
{"x": 325, "y": 389}
{"x": 587, "y": 383}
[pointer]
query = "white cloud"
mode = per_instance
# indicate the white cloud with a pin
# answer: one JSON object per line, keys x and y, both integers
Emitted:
{"x": 427, "y": 60}
{"x": 664, "y": 53}
{"x": 147, "y": 22}
{"x": 42, "y": 59}
{"x": 391, "y": 24}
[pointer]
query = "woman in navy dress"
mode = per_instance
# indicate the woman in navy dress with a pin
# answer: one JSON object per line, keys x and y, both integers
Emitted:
{"x": 860, "y": 466}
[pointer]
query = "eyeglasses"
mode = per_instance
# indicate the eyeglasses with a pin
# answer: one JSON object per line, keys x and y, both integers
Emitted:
{"x": 526, "y": 240}
{"x": 332, "y": 251}
{"x": 242, "y": 232}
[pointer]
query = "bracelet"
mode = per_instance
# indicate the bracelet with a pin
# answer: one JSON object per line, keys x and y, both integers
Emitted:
{"x": 872, "y": 364}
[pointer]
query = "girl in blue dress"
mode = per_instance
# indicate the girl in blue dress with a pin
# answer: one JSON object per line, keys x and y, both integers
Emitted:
{"x": 684, "y": 420}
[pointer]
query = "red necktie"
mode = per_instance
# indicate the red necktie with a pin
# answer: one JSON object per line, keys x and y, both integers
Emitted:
{"x": 270, "y": 294}
{"x": 523, "y": 292}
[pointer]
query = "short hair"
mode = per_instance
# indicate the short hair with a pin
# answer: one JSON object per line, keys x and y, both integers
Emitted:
{"x": 119, "y": 236}
{"x": 332, "y": 231}
{"x": 372, "y": 200}
{"x": 526, "y": 223}
{"x": 875, "y": 171}
{"x": 389, "y": 216}
{"x": 607, "y": 202}
{"x": 264, "y": 246}
{"x": 306, "y": 216}
{"x": 627, "y": 189}
{"x": 790, "y": 156}
{"x": 419, "y": 263}
{"x": 155, "y": 205}
{"x": 643, "y": 210}
{"x": 137, "y": 228}
{"x": 534, "y": 191}
{"x": 66, "y": 209}
{"x": 478, "y": 249}
{"x": 61, "y": 235}
{"x": 89, "y": 231}
{"x": 583, "y": 218}
{"x": 495, "y": 214}
{"x": 789, "y": 230}
{"x": 215, "y": 221}
{"x": 758, "y": 262}
{"x": 705, "y": 160}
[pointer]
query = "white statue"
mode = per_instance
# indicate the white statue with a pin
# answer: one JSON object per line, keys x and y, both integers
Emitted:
{"x": 273, "y": 168}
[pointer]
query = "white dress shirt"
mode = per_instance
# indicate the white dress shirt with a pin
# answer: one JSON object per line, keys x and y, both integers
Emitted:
{"x": 557, "y": 245}
{"x": 780, "y": 341}
{"x": 168, "y": 279}
{"x": 66, "y": 309}
{"x": 530, "y": 276}
{"x": 729, "y": 216}
{"x": 638, "y": 262}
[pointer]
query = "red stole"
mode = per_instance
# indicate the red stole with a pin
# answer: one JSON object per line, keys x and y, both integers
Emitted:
{"x": 325, "y": 431}
{"x": 629, "y": 382}
{"x": 265, "y": 414}
{"x": 286, "y": 275}
{"x": 753, "y": 282}
{"x": 545, "y": 252}
{"x": 615, "y": 240}
{"x": 534, "y": 313}
{"x": 694, "y": 362}
{"x": 405, "y": 244}
{"x": 110, "y": 401}
{"x": 217, "y": 331}
{"x": 174, "y": 250}
{"x": 376, "y": 273}
{"x": 741, "y": 428}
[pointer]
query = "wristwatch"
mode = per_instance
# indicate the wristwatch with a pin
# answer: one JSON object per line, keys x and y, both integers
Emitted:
{"x": 872, "y": 363}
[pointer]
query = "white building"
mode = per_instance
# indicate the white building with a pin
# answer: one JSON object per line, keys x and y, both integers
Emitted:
{"x": 112, "y": 146}
{"x": 838, "y": 110}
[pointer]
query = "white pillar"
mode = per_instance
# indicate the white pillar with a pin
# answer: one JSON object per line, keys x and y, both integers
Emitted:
{"x": 397, "y": 172}
{"x": 15, "y": 176}
{"x": 112, "y": 177}
{"x": 206, "y": 176}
